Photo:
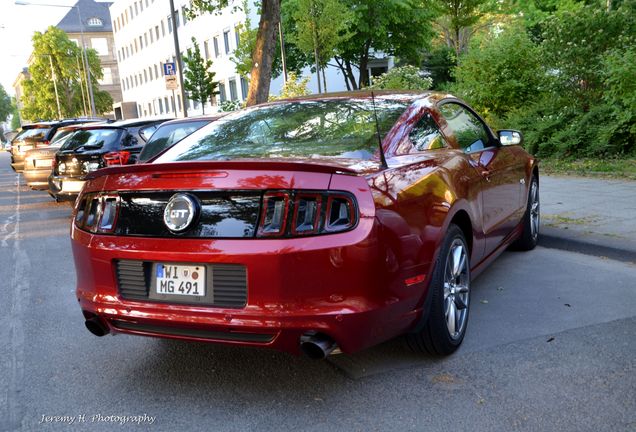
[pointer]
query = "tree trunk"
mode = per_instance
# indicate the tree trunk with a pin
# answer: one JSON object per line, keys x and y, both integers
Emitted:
{"x": 324, "y": 79}
{"x": 344, "y": 72}
{"x": 352, "y": 78}
{"x": 364, "y": 63}
{"x": 263, "y": 55}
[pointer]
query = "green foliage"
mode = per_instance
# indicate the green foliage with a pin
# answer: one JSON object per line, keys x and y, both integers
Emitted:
{"x": 504, "y": 72}
{"x": 230, "y": 105}
{"x": 294, "y": 87}
{"x": 54, "y": 46}
{"x": 6, "y": 107}
{"x": 440, "y": 62}
{"x": 242, "y": 55}
{"x": 320, "y": 26}
{"x": 400, "y": 28}
{"x": 402, "y": 78}
{"x": 15, "y": 115}
{"x": 198, "y": 77}
{"x": 571, "y": 90}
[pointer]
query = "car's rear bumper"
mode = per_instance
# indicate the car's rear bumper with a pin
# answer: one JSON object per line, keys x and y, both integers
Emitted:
{"x": 337, "y": 285}
{"x": 37, "y": 178}
{"x": 65, "y": 188}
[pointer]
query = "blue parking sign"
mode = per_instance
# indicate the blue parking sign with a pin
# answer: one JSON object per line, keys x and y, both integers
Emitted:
{"x": 169, "y": 69}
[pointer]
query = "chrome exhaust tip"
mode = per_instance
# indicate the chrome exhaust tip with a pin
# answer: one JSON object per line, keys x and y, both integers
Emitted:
{"x": 317, "y": 346}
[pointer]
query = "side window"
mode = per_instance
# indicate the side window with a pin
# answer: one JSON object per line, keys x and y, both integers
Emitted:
{"x": 147, "y": 132}
{"x": 425, "y": 135}
{"x": 470, "y": 132}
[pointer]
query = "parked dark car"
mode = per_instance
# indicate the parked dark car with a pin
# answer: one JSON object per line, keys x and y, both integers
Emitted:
{"x": 37, "y": 135}
{"x": 92, "y": 147}
{"x": 171, "y": 132}
{"x": 326, "y": 223}
{"x": 38, "y": 162}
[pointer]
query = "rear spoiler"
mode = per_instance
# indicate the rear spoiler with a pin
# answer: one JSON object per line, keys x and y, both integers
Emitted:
{"x": 198, "y": 166}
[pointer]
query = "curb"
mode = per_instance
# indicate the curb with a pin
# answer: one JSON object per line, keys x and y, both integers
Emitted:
{"x": 572, "y": 241}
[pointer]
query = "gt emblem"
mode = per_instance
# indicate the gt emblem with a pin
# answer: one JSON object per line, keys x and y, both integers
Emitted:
{"x": 180, "y": 212}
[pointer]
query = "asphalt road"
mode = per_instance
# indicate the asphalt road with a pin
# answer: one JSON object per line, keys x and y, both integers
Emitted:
{"x": 550, "y": 346}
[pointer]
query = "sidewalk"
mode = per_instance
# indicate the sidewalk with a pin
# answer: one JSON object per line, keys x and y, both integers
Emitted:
{"x": 589, "y": 215}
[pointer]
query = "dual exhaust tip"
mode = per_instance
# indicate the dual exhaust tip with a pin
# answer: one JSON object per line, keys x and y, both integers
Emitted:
{"x": 95, "y": 325}
{"x": 314, "y": 345}
{"x": 318, "y": 346}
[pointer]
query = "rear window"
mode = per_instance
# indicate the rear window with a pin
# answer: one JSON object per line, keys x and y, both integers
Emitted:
{"x": 35, "y": 134}
{"x": 61, "y": 136}
{"x": 92, "y": 139}
{"x": 304, "y": 129}
{"x": 168, "y": 135}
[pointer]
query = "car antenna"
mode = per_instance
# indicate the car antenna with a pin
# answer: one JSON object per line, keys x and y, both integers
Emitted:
{"x": 377, "y": 127}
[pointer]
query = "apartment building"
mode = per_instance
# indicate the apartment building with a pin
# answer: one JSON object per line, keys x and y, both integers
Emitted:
{"x": 98, "y": 35}
{"x": 144, "y": 42}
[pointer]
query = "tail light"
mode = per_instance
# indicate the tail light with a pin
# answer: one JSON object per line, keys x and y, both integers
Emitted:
{"x": 306, "y": 213}
{"x": 116, "y": 158}
{"x": 97, "y": 213}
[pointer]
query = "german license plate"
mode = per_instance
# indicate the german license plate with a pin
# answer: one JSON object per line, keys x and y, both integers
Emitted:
{"x": 43, "y": 163}
{"x": 72, "y": 186}
{"x": 177, "y": 279}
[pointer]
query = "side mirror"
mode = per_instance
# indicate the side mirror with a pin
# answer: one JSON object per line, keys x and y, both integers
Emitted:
{"x": 510, "y": 137}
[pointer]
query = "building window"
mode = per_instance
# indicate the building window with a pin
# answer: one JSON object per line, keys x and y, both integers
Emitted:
{"x": 216, "y": 47}
{"x": 94, "y": 22}
{"x": 169, "y": 24}
{"x": 157, "y": 32}
{"x": 152, "y": 36}
{"x": 156, "y": 72}
{"x": 136, "y": 10}
{"x": 222, "y": 96}
{"x": 163, "y": 29}
{"x": 183, "y": 13}
{"x": 206, "y": 50}
{"x": 100, "y": 45}
{"x": 245, "y": 87}
{"x": 141, "y": 6}
{"x": 237, "y": 31}
{"x": 160, "y": 106}
{"x": 136, "y": 82}
{"x": 141, "y": 42}
{"x": 146, "y": 38}
{"x": 233, "y": 92}
{"x": 226, "y": 41}
{"x": 166, "y": 101}
{"x": 107, "y": 78}
{"x": 177, "y": 20}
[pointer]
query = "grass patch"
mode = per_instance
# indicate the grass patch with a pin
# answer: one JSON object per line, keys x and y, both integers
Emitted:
{"x": 607, "y": 168}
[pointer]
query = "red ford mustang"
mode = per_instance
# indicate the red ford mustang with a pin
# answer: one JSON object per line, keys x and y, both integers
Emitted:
{"x": 313, "y": 225}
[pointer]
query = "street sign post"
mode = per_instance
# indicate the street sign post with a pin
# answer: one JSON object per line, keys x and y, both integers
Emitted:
{"x": 170, "y": 76}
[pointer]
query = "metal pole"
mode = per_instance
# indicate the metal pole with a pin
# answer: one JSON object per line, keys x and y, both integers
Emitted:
{"x": 57, "y": 97}
{"x": 89, "y": 84}
{"x": 177, "y": 55}
{"x": 81, "y": 82}
{"x": 282, "y": 50}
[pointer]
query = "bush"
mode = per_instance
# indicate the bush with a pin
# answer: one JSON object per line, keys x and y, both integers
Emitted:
{"x": 401, "y": 78}
{"x": 230, "y": 105}
{"x": 502, "y": 72}
{"x": 293, "y": 87}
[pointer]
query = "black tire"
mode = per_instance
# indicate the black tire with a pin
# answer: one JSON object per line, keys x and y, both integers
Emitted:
{"x": 434, "y": 337}
{"x": 529, "y": 237}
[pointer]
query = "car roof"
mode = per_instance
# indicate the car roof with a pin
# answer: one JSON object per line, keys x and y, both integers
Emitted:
{"x": 52, "y": 123}
{"x": 207, "y": 117}
{"x": 140, "y": 122}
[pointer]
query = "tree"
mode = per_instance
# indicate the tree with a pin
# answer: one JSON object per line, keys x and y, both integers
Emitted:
{"x": 388, "y": 27}
{"x": 15, "y": 115}
{"x": 456, "y": 22}
{"x": 295, "y": 86}
{"x": 402, "y": 78}
{"x": 502, "y": 72}
{"x": 264, "y": 48}
{"x": 199, "y": 78}
{"x": 321, "y": 26}
{"x": 6, "y": 107}
{"x": 54, "y": 50}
